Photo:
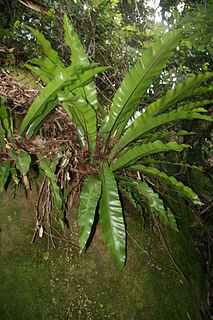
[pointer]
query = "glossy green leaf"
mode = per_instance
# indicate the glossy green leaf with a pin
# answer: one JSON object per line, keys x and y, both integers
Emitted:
{"x": 141, "y": 126}
{"x": 111, "y": 215}
{"x": 22, "y": 160}
{"x": 89, "y": 197}
{"x": 4, "y": 173}
{"x": 79, "y": 57}
{"x": 49, "y": 94}
{"x": 46, "y": 167}
{"x": 138, "y": 79}
{"x": 51, "y": 54}
{"x": 130, "y": 156}
{"x": 181, "y": 189}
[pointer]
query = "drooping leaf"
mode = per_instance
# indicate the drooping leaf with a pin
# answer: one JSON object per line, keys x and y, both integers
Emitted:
{"x": 129, "y": 157}
{"x": 22, "y": 160}
{"x": 51, "y": 54}
{"x": 38, "y": 110}
{"x": 46, "y": 167}
{"x": 156, "y": 204}
{"x": 111, "y": 215}
{"x": 137, "y": 81}
{"x": 130, "y": 196}
{"x": 4, "y": 173}
{"x": 141, "y": 126}
{"x": 88, "y": 202}
{"x": 182, "y": 190}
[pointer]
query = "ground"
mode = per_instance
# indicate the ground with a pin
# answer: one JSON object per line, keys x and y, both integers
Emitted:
{"x": 61, "y": 284}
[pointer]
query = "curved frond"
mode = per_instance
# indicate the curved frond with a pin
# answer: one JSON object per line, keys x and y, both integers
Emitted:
{"x": 181, "y": 91}
{"x": 68, "y": 76}
{"x": 130, "y": 156}
{"x": 79, "y": 57}
{"x": 51, "y": 54}
{"x": 181, "y": 189}
{"x": 137, "y": 81}
{"x": 141, "y": 126}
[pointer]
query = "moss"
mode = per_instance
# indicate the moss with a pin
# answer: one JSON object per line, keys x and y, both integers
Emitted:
{"x": 60, "y": 284}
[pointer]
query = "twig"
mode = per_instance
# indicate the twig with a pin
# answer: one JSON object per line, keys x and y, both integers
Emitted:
{"x": 147, "y": 253}
{"x": 174, "y": 262}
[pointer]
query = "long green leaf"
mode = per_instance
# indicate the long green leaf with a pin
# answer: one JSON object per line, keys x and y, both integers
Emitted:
{"x": 79, "y": 57}
{"x": 182, "y": 190}
{"x": 180, "y": 92}
{"x": 4, "y": 173}
{"x": 137, "y": 81}
{"x": 129, "y": 157}
{"x": 141, "y": 126}
{"x": 48, "y": 51}
{"x": 88, "y": 202}
{"x": 111, "y": 216}
{"x": 49, "y": 93}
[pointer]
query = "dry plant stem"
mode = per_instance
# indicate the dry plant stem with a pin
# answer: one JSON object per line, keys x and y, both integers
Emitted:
{"x": 48, "y": 213}
{"x": 61, "y": 236}
{"x": 147, "y": 253}
{"x": 38, "y": 218}
{"x": 73, "y": 191}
